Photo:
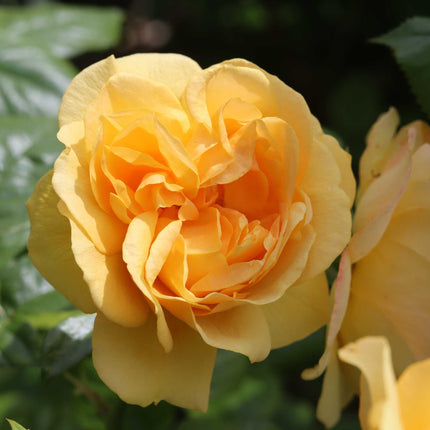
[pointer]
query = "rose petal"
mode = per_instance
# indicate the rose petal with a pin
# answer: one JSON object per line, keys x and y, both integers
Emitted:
{"x": 111, "y": 286}
{"x": 378, "y": 142}
{"x": 241, "y": 329}
{"x": 71, "y": 182}
{"x": 83, "y": 89}
{"x": 49, "y": 246}
{"x": 376, "y": 206}
{"x": 340, "y": 294}
{"x": 303, "y": 309}
{"x": 413, "y": 388}
{"x": 331, "y": 217}
{"x": 390, "y": 293}
{"x": 172, "y": 70}
{"x": 134, "y": 365}
{"x": 136, "y": 249}
{"x": 378, "y": 399}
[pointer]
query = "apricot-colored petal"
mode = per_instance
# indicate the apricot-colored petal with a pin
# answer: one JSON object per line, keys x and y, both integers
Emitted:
{"x": 172, "y": 70}
{"x": 335, "y": 392}
{"x": 136, "y": 249}
{"x": 71, "y": 182}
{"x": 376, "y": 206}
{"x": 49, "y": 246}
{"x": 303, "y": 309}
{"x": 417, "y": 194}
{"x": 226, "y": 277}
{"x": 390, "y": 293}
{"x": 340, "y": 294}
{"x": 378, "y": 142}
{"x": 112, "y": 289}
{"x": 134, "y": 365}
{"x": 286, "y": 270}
{"x": 379, "y": 408}
{"x": 208, "y": 91}
{"x": 203, "y": 235}
{"x": 178, "y": 160}
{"x": 331, "y": 213}
{"x": 241, "y": 329}
{"x": 343, "y": 160}
{"x": 83, "y": 89}
{"x": 127, "y": 91}
{"x": 413, "y": 388}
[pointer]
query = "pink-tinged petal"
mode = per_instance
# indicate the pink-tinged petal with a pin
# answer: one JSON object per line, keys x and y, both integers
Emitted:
{"x": 417, "y": 194}
{"x": 379, "y": 407}
{"x": 71, "y": 182}
{"x": 111, "y": 286}
{"x": 83, "y": 89}
{"x": 136, "y": 249}
{"x": 303, "y": 309}
{"x": 49, "y": 246}
{"x": 413, "y": 388}
{"x": 340, "y": 294}
{"x": 134, "y": 365}
{"x": 376, "y": 206}
{"x": 378, "y": 147}
{"x": 172, "y": 70}
{"x": 241, "y": 329}
{"x": 331, "y": 213}
{"x": 335, "y": 393}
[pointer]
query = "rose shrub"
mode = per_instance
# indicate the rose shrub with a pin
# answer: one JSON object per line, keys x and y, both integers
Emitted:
{"x": 192, "y": 210}
{"x": 383, "y": 285}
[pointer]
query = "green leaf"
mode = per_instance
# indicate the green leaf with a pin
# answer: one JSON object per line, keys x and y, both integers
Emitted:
{"x": 14, "y": 425}
{"x": 32, "y": 82}
{"x": 67, "y": 344}
{"x": 411, "y": 46}
{"x": 60, "y": 30}
{"x": 28, "y": 148}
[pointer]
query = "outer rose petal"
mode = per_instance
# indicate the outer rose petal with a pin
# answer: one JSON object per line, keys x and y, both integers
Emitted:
{"x": 378, "y": 145}
{"x": 49, "y": 246}
{"x": 241, "y": 329}
{"x": 375, "y": 208}
{"x": 83, "y": 89}
{"x": 413, "y": 388}
{"x": 303, "y": 309}
{"x": 133, "y": 364}
{"x": 340, "y": 295}
{"x": 378, "y": 403}
{"x": 335, "y": 393}
{"x": 331, "y": 216}
{"x": 172, "y": 70}
{"x": 111, "y": 286}
{"x": 390, "y": 293}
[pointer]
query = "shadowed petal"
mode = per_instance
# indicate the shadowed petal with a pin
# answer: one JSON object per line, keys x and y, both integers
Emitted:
{"x": 49, "y": 246}
{"x": 134, "y": 364}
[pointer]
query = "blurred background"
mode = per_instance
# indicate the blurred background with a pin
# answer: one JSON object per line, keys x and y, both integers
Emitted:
{"x": 321, "y": 48}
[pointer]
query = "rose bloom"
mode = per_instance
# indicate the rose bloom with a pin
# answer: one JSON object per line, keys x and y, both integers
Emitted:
{"x": 387, "y": 291}
{"x": 192, "y": 210}
{"x": 384, "y": 403}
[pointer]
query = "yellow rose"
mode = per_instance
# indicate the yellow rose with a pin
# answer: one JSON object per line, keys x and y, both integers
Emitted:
{"x": 387, "y": 291}
{"x": 192, "y": 210}
{"x": 384, "y": 403}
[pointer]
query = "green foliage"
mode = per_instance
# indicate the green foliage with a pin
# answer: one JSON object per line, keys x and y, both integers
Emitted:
{"x": 59, "y": 30}
{"x": 411, "y": 46}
